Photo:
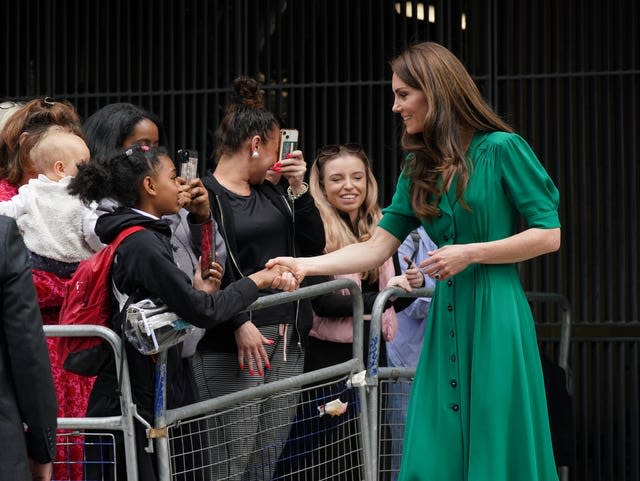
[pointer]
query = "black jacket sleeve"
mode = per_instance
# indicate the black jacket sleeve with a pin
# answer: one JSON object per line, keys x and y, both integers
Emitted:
{"x": 25, "y": 348}
{"x": 309, "y": 229}
{"x": 143, "y": 261}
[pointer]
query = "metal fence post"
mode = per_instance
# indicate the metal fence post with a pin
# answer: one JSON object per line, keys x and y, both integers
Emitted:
{"x": 374, "y": 356}
{"x": 123, "y": 423}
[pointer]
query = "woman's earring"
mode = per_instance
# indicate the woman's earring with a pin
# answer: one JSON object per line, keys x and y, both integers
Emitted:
{"x": 255, "y": 154}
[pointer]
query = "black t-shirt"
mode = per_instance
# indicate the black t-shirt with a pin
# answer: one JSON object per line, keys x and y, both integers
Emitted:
{"x": 261, "y": 234}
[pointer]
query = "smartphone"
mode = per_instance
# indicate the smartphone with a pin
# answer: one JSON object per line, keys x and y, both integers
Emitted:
{"x": 288, "y": 142}
{"x": 188, "y": 164}
{"x": 207, "y": 247}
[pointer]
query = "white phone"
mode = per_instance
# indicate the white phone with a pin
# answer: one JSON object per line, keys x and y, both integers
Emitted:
{"x": 188, "y": 164}
{"x": 288, "y": 142}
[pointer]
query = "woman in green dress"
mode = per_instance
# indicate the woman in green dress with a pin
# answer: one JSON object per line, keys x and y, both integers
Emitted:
{"x": 477, "y": 410}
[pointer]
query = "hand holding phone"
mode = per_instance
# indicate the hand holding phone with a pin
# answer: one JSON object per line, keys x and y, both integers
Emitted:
{"x": 415, "y": 278}
{"x": 207, "y": 247}
{"x": 411, "y": 264}
{"x": 288, "y": 143}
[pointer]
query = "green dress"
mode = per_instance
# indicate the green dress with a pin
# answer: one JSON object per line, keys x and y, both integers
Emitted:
{"x": 478, "y": 410}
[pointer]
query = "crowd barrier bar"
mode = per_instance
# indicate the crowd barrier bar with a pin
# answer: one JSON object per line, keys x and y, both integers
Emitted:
{"x": 124, "y": 422}
{"x": 166, "y": 418}
{"x": 372, "y": 377}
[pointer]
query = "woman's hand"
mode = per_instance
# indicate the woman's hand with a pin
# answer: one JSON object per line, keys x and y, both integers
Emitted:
{"x": 194, "y": 197}
{"x": 447, "y": 261}
{"x": 210, "y": 281}
{"x": 285, "y": 280}
{"x": 276, "y": 277}
{"x": 293, "y": 169}
{"x": 250, "y": 342}
{"x": 40, "y": 472}
{"x": 291, "y": 264}
{"x": 413, "y": 273}
{"x": 400, "y": 281}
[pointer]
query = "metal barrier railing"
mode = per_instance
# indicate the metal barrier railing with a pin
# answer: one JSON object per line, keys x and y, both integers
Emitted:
{"x": 202, "y": 412}
{"x": 169, "y": 422}
{"x": 373, "y": 370}
{"x": 375, "y": 373}
{"x": 123, "y": 423}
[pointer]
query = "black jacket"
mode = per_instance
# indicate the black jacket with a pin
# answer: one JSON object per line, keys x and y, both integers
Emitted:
{"x": 144, "y": 267}
{"x": 26, "y": 387}
{"x": 306, "y": 238}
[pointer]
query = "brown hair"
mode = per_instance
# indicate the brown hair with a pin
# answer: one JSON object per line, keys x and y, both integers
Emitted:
{"x": 454, "y": 106}
{"x": 32, "y": 119}
{"x": 244, "y": 117}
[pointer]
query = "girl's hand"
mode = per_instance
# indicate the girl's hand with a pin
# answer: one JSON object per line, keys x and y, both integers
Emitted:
{"x": 251, "y": 351}
{"x": 195, "y": 198}
{"x": 285, "y": 280}
{"x": 291, "y": 264}
{"x": 277, "y": 277}
{"x": 447, "y": 261}
{"x": 210, "y": 281}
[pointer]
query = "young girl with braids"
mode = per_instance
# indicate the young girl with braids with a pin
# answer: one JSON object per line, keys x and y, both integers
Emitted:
{"x": 143, "y": 182}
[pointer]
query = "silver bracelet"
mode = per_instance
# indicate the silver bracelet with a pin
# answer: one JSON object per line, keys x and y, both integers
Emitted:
{"x": 292, "y": 196}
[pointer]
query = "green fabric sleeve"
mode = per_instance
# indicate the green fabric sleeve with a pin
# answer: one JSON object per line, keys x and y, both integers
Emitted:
{"x": 527, "y": 183}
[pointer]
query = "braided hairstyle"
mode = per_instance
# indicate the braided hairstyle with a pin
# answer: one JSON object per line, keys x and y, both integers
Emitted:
{"x": 113, "y": 177}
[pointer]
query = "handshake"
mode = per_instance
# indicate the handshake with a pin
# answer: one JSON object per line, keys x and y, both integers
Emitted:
{"x": 276, "y": 276}
{"x": 282, "y": 273}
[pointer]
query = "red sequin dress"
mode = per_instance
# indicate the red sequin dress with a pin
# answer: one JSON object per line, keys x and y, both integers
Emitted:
{"x": 72, "y": 391}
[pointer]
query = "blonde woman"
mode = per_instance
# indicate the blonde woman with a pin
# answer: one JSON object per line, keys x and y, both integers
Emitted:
{"x": 345, "y": 191}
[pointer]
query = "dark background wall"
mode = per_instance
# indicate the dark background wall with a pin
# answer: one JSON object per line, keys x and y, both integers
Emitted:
{"x": 565, "y": 74}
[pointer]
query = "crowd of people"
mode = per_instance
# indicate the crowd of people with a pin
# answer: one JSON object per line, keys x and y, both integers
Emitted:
{"x": 477, "y": 409}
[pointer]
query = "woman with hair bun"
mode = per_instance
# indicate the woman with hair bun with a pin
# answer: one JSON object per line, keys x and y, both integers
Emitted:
{"x": 257, "y": 219}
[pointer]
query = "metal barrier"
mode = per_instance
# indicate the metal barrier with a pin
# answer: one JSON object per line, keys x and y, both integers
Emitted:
{"x": 388, "y": 428}
{"x": 191, "y": 441}
{"x": 77, "y": 438}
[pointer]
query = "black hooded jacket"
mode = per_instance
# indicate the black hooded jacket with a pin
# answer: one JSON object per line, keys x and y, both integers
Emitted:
{"x": 305, "y": 238}
{"x": 143, "y": 267}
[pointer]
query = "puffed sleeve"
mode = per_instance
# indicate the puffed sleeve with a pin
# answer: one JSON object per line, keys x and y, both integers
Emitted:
{"x": 399, "y": 218}
{"x": 527, "y": 183}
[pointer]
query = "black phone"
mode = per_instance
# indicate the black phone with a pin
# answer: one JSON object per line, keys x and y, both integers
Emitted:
{"x": 187, "y": 164}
